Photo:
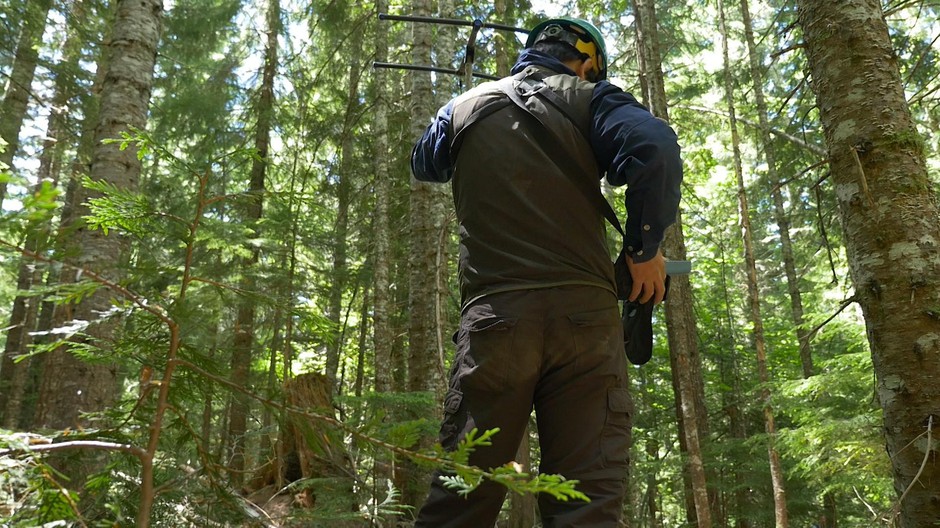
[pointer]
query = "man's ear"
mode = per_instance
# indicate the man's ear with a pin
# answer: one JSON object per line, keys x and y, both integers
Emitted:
{"x": 585, "y": 69}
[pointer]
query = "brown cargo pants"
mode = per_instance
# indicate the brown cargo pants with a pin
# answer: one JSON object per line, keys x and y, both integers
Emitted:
{"x": 559, "y": 350}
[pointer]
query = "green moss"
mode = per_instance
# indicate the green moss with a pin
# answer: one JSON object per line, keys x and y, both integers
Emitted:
{"x": 907, "y": 140}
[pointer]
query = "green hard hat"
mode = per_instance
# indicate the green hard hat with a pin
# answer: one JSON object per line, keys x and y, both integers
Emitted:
{"x": 578, "y": 33}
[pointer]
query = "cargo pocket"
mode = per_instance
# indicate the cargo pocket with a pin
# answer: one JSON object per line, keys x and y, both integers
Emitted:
{"x": 454, "y": 419}
{"x": 616, "y": 438}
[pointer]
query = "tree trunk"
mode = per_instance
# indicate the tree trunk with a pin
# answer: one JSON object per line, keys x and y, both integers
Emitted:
{"x": 424, "y": 371}
{"x": 341, "y": 226}
{"x": 773, "y": 180}
{"x": 503, "y": 60}
{"x": 681, "y": 325}
{"x": 311, "y": 450}
{"x": 652, "y": 487}
{"x": 363, "y": 341}
{"x": 889, "y": 216}
{"x": 776, "y": 471}
{"x": 522, "y": 508}
{"x": 70, "y": 386}
{"x": 24, "y": 314}
{"x": 16, "y": 97}
{"x": 383, "y": 336}
{"x": 244, "y": 334}
{"x": 381, "y": 324}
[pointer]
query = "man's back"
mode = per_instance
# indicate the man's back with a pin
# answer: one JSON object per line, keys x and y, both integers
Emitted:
{"x": 523, "y": 222}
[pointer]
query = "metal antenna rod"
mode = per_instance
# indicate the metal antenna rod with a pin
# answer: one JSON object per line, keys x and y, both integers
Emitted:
{"x": 449, "y": 22}
{"x": 465, "y": 70}
{"x": 435, "y": 69}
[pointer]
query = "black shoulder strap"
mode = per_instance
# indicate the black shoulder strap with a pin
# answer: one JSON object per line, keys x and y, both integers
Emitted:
{"x": 523, "y": 86}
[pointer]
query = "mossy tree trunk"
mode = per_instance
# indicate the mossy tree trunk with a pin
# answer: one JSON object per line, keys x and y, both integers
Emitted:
{"x": 889, "y": 214}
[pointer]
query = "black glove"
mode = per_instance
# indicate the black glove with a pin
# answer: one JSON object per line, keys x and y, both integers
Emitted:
{"x": 637, "y": 317}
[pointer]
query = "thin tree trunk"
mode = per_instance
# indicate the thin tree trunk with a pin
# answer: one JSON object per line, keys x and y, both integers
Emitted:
{"x": 244, "y": 335}
{"x": 381, "y": 324}
{"x": 208, "y": 403}
{"x": 776, "y": 471}
{"x": 423, "y": 373}
{"x": 503, "y": 60}
{"x": 362, "y": 342}
{"x": 383, "y": 337}
{"x": 773, "y": 179}
{"x": 889, "y": 216}
{"x": 522, "y": 508}
{"x": 270, "y": 388}
{"x": 16, "y": 97}
{"x": 652, "y": 487}
{"x": 737, "y": 428}
{"x": 681, "y": 325}
{"x": 341, "y": 226}
{"x": 24, "y": 314}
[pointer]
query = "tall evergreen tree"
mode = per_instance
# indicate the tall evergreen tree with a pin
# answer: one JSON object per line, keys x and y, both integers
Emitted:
{"x": 889, "y": 214}
{"x": 683, "y": 346}
{"x": 781, "y": 514}
{"x": 70, "y": 386}
{"x": 19, "y": 87}
{"x": 381, "y": 325}
{"x": 25, "y": 310}
{"x": 243, "y": 344}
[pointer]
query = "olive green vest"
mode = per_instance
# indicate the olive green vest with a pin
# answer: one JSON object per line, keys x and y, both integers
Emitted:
{"x": 523, "y": 222}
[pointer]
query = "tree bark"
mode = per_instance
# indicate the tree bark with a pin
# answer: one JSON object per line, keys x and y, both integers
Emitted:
{"x": 503, "y": 60}
{"x": 16, "y": 97}
{"x": 244, "y": 334}
{"x": 889, "y": 216}
{"x": 681, "y": 326}
{"x": 381, "y": 324}
{"x": 315, "y": 451}
{"x": 341, "y": 225}
{"x": 424, "y": 372}
{"x": 70, "y": 386}
{"x": 781, "y": 515}
{"x": 522, "y": 508}
{"x": 25, "y": 310}
{"x": 774, "y": 181}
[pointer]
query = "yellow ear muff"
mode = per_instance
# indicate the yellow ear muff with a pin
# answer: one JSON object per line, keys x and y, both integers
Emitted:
{"x": 589, "y": 49}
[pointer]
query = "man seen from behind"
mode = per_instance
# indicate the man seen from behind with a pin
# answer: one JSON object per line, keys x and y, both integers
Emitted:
{"x": 540, "y": 326}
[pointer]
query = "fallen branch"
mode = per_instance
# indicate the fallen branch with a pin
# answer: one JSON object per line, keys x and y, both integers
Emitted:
{"x": 77, "y": 444}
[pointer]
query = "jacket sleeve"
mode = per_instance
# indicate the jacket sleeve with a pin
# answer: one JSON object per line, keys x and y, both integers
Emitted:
{"x": 430, "y": 158}
{"x": 642, "y": 152}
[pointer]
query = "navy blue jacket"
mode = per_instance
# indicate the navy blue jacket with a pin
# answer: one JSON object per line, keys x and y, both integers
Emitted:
{"x": 632, "y": 146}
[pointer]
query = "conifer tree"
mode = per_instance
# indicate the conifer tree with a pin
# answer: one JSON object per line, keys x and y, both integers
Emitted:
{"x": 19, "y": 87}
{"x": 243, "y": 345}
{"x": 25, "y": 310}
{"x": 889, "y": 213}
{"x": 683, "y": 346}
{"x": 71, "y": 386}
{"x": 781, "y": 514}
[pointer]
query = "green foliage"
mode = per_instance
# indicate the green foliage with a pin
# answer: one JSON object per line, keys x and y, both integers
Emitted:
{"x": 465, "y": 478}
{"x": 188, "y": 241}
{"x": 31, "y": 493}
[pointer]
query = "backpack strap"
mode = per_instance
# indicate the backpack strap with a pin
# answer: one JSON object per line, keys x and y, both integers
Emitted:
{"x": 526, "y": 84}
